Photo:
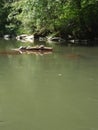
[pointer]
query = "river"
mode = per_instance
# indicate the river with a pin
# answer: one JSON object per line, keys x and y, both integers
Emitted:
{"x": 55, "y": 91}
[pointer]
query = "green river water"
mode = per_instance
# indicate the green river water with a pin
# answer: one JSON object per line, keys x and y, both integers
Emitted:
{"x": 56, "y": 91}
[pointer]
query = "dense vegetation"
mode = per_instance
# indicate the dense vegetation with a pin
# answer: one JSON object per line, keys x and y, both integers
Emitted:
{"x": 65, "y": 18}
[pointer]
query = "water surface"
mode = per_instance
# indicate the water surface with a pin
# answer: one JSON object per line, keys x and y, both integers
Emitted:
{"x": 57, "y": 91}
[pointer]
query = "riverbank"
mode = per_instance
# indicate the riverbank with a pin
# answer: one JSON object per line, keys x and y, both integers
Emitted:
{"x": 52, "y": 39}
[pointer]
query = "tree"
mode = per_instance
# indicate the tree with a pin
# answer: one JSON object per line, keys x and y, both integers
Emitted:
{"x": 62, "y": 17}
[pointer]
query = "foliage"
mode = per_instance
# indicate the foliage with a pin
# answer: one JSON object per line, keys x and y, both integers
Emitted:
{"x": 78, "y": 18}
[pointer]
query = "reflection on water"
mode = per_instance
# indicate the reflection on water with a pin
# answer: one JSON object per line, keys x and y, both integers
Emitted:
{"x": 50, "y": 92}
